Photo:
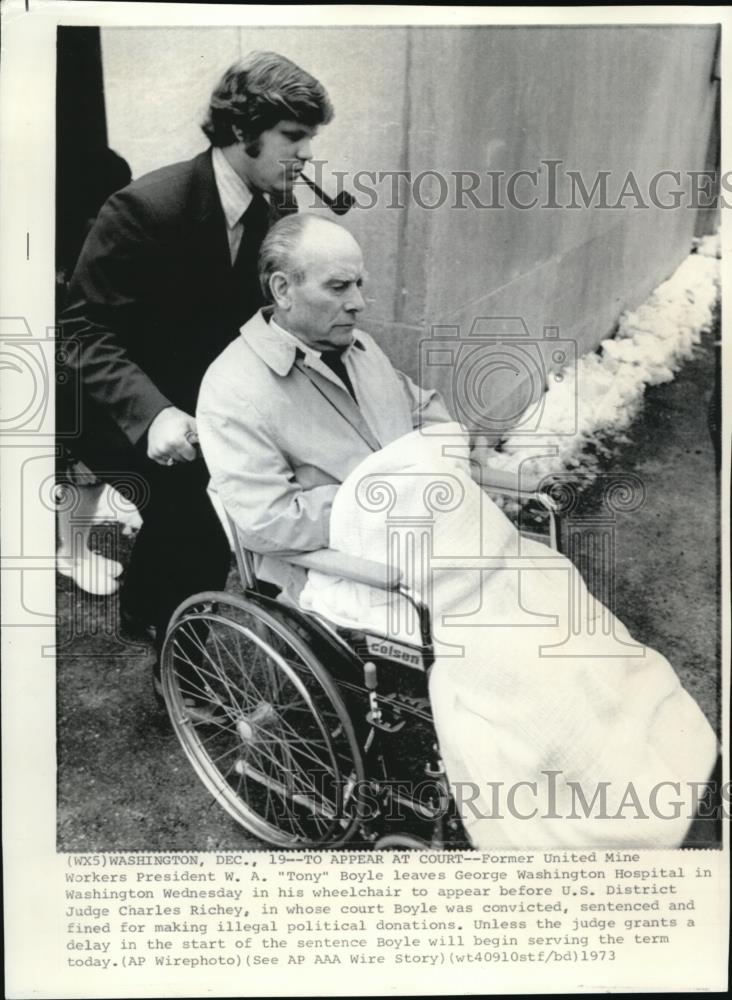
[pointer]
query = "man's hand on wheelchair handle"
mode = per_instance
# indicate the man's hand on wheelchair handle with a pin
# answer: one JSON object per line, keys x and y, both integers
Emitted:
{"x": 172, "y": 437}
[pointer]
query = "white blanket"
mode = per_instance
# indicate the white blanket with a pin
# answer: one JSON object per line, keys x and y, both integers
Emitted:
{"x": 542, "y": 700}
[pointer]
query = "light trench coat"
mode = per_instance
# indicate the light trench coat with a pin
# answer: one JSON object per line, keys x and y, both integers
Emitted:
{"x": 280, "y": 432}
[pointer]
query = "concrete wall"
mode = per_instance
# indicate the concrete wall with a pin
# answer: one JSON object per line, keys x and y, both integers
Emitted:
{"x": 465, "y": 99}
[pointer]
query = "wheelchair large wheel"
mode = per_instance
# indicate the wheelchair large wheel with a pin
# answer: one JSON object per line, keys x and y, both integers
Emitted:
{"x": 261, "y": 721}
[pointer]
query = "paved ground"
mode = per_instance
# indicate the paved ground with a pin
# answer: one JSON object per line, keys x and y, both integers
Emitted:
{"x": 123, "y": 782}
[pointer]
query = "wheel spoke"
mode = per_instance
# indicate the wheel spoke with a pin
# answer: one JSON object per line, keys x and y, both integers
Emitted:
{"x": 276, "y": 754}
{"x": 197, "y": 674}
{"x": 218, "y": 675}
{"x": 298, "y": 737}
{"x": 224, "y": 674}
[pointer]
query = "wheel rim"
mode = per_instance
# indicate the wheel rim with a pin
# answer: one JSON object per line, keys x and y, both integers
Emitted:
{"x": 265, "y": 735}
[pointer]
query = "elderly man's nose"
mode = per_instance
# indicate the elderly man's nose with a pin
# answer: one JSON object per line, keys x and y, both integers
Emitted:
{"x": 356, "y": 301}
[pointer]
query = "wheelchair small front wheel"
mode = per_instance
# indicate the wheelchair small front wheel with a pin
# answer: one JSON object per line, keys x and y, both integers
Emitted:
{"x": 262, "y": 722}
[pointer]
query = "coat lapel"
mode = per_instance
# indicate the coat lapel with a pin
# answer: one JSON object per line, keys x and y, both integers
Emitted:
{"x": 210, "y": 220}
{"x": 278, "y": 355}
{"x": 341, "y": 400}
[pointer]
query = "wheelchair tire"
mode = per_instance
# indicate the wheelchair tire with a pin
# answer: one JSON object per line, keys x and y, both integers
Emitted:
{"x": 261, "y": 721}
{"x": 397, "y": 841}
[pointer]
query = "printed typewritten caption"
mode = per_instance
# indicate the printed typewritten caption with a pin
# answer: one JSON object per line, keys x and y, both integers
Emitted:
{"x": 424, "y": 915}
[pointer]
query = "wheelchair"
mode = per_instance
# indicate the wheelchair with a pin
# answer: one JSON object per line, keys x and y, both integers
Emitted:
{"x": 308, "y": 733}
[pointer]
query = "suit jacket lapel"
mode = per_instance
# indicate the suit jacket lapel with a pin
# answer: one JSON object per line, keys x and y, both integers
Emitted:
{"x": 210, "y": 215}
{"x": 210, "y": 220}
{"x": 341, "y": 401}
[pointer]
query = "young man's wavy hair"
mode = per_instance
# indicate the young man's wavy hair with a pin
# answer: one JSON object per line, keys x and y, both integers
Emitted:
{"x": 259, "y": 91}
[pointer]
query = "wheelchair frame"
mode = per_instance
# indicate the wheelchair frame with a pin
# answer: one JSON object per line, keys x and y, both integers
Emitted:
{"x": 297, "y": 734}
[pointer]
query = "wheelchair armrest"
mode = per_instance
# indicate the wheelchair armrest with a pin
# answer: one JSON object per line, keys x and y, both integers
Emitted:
{"x": 336, "y": 563}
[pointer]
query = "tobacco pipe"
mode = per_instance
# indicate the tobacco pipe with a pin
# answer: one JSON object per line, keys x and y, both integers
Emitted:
{"x": 339, "y": 205}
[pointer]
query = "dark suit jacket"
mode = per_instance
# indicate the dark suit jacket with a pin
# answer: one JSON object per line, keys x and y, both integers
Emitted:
{"x": 153, "y": 300}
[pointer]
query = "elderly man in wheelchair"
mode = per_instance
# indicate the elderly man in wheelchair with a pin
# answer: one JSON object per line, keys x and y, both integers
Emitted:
{"x": 401, "y": 656}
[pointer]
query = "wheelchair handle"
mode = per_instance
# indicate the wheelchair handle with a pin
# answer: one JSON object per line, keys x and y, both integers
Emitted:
{"x": 370, "y": 677}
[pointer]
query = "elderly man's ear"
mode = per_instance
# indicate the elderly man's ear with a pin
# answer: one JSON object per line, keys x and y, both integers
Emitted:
{"x": 279, "y": 286}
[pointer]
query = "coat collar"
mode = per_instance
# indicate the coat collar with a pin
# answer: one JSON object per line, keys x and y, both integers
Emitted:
{"x": 205, "y": 192}
{"x": 278, "y": 352}
{"x": 282, "y": 355}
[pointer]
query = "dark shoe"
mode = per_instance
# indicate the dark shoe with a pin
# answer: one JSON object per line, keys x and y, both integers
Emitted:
{"x": 136, "y": 627}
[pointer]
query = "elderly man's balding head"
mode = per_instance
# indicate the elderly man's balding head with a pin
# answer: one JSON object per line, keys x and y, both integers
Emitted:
{"x": 311, "y": 269}
{"x": 297, "y": 239}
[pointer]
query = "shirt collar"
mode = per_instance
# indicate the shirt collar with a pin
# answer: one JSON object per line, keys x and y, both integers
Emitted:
{"x": 234, "y": 194}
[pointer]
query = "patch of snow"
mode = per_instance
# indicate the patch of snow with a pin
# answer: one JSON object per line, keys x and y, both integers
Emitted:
{"x": 649, "y": 347}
